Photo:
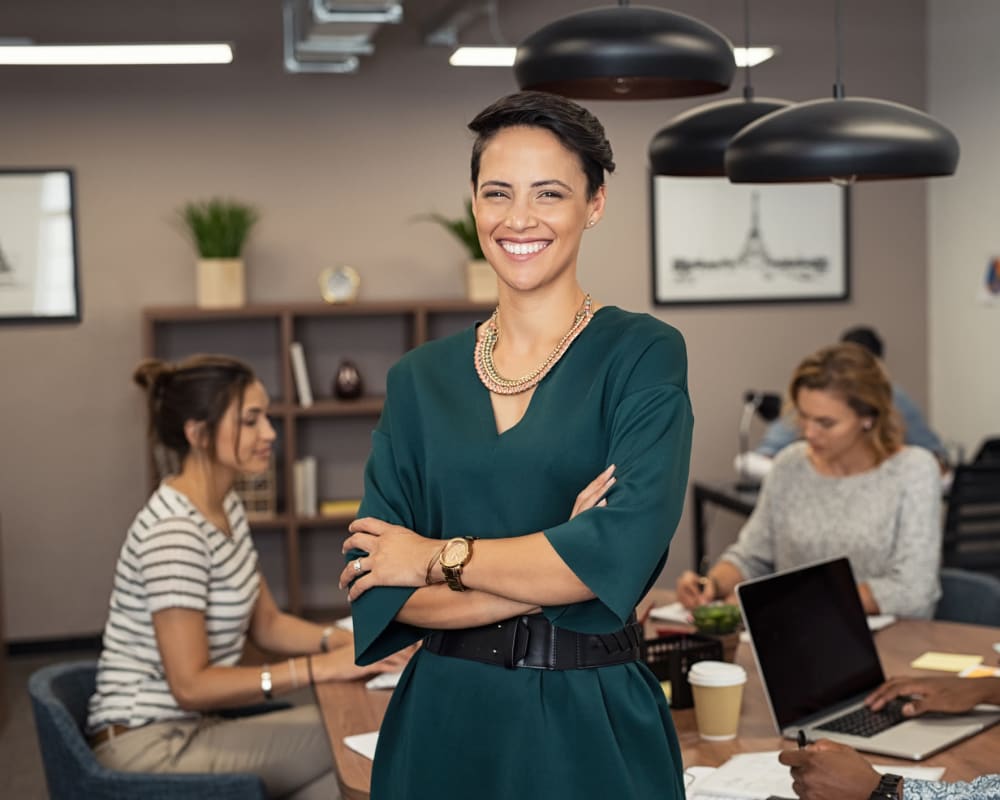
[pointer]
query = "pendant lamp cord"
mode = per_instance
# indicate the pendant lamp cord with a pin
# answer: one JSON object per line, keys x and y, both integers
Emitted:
{"x": 747, "y": 88}
{"x": 838, "y": 87}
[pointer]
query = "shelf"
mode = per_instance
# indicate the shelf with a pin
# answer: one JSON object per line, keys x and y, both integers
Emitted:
{"x": 373, "y": 335}
{"x": 331, "y": 407}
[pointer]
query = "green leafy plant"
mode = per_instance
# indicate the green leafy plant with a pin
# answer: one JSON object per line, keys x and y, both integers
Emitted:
{"x": 462, "y": 228}
{"x": 716, "y": 618}
{"x": 218, "y": 228}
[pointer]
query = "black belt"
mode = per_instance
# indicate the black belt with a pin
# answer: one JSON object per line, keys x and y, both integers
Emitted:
{"x": 532, "y": 641}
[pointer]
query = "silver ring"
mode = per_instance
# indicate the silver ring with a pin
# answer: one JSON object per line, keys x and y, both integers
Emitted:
{"x": 357, "y": 565}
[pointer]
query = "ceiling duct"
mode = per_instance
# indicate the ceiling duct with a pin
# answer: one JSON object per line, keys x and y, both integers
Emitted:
{"x": 330, "y": 35}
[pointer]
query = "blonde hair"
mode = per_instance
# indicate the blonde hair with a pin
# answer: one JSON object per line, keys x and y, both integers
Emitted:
{"x": 859, "y": 378}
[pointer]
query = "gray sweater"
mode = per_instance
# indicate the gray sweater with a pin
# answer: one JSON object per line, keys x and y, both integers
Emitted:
{"x": 887, "y": 521}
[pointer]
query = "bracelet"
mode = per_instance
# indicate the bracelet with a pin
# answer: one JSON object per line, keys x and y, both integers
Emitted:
{"x": 265, "y": 682}
{"x": 430, "y": 566}
{"x": 294, "y": 672}
{"x": 324, "y": 640}
{"x": 309, "y": 668}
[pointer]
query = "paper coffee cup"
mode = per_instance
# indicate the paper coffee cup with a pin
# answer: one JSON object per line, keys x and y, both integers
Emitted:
{"x": 717, "y": 688}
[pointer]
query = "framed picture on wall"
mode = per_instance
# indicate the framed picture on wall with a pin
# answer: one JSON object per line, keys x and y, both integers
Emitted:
{"x": 38, "y": 252}
{"x": 720, "y": 242}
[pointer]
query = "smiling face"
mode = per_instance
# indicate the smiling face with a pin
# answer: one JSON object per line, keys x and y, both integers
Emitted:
{"x": 531, "y": 207}
{"x": 832, "y": 428}
{"x": 245, "y": 436}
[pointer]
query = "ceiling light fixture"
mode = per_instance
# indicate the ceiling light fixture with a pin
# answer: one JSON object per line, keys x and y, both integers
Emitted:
{"x": 28, "y": 54}
{"x": 844, "y": 140}
{"x": 487, "y": 56}
{"x": 694, "y": 143}
{"x": 625, "y": 53}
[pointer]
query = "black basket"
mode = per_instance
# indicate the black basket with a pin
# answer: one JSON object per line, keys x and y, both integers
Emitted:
{"x": 670, "y": 658}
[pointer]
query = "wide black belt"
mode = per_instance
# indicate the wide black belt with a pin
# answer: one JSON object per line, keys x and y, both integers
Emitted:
{"x": 532, "y": 641}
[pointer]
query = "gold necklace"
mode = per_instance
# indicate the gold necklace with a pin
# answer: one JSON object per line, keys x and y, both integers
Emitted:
{"x": 497, "y": 383}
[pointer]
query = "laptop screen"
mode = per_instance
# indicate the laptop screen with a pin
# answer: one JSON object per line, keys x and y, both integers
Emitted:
{"x": 811, "y": 638}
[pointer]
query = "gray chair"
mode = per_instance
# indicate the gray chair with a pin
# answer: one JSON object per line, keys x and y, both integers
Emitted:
{"x": 971, "y": 597}
{"x": 59, "y": 695}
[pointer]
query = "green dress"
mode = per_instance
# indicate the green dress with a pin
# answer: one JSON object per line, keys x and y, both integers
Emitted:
{"x": 463, "y": 729}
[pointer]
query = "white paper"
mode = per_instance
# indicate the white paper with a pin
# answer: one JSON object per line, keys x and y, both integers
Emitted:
{"x": 674, "y": 612}
{"x": 384, "y": 680}
{"x": 347, "y": 623}
{"x": 878, "y": 621}
{"x": 363, "y": 743}
{"x": 757, "y": 776}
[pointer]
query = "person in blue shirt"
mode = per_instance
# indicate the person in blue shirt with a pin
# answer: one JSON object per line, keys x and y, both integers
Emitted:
{"x": 782, "y": 432}
{"x": 826, "y": 770}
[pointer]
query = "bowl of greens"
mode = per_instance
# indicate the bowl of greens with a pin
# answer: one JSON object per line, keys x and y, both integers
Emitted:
{"x": 716, "y": 618}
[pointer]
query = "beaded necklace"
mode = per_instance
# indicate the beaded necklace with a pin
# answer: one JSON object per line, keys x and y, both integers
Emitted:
{"x": 498, "y": 384}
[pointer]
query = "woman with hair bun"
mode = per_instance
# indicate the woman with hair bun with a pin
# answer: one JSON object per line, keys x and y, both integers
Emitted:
{"x": 849, "y": 488}
{"x": 187, "y": 595}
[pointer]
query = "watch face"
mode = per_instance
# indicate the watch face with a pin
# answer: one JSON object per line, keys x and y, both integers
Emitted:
{"x": 455, "y": 552}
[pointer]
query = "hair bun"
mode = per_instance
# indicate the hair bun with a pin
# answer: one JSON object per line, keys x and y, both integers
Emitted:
{"x": 150, "y": 373}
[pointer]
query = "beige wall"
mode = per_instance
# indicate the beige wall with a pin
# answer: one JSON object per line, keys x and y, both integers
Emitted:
{"x": 964, "y": 213}
{"x": 338, "y": 166}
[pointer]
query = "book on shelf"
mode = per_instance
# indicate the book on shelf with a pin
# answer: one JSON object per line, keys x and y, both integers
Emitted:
{"x": 304, "y": 474}
{"x": 301, "y": 374}
{"x": 336, "y": 508}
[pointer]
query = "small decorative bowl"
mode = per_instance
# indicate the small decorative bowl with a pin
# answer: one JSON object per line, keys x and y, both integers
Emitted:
{"x": 716, "y": 618}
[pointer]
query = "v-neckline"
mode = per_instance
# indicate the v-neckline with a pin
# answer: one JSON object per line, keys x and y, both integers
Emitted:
{"x": 491, "y": 413}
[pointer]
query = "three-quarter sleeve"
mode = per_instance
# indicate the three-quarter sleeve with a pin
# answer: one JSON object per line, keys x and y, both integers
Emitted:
{"x": 908, "y": 586}
{"x": 618, "y": 550}
{"x": 376, "y": 632}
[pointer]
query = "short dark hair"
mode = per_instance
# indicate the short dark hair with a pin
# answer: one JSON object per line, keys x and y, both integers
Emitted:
{"x": 199, "y": 388}
{"x": 577, "y": 129}
{"x": 866, "y": 337}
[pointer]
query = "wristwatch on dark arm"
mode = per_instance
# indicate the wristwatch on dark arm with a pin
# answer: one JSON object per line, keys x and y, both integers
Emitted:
{"x": 453, "y": 558}
{"x": 888, "y": 788}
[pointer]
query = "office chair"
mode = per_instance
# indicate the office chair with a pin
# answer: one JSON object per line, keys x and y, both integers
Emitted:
{"x": 972, "y": 522}
{"x": 59, "y": 695}
{"x": 970, "y": 597}
{"x": 988, "y": 452}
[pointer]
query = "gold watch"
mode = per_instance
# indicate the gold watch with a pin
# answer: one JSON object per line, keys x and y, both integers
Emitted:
{"x": 453, "y": 558}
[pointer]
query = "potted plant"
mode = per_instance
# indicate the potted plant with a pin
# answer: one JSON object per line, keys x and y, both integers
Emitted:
{"x": 218, "y": 229}
{"x": 480, "y": 280}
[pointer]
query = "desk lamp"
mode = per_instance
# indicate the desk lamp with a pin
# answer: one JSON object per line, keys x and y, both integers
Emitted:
{"x": 767, "y": 405}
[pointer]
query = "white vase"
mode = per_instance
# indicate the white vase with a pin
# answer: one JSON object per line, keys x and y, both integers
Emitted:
{"x": 480, "y": 282}
{"x": 221, "y": 283}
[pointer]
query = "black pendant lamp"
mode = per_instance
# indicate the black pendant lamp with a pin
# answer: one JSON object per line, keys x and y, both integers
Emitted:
{"x": 694, "y": 143}
{"x": 842, "y": 139}
{"x": 625, "y": 52}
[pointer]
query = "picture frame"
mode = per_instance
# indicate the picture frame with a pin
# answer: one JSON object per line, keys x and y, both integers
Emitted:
{"x": 39, "y": 264}
{"x": 716, "y": 242}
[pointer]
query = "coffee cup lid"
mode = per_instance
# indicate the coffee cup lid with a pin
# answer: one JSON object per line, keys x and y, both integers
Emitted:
{"x": 716, "y": 673}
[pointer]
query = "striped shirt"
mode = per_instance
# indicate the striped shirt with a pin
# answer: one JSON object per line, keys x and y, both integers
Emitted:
{"x": 172, "y": 558}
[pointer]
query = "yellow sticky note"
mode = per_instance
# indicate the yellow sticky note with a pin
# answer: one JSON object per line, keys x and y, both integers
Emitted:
{"x": 665, "y": 685}
{"x": 946, "y": 662}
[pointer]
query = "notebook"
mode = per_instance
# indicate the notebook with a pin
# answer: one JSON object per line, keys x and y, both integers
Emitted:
{"x": 817, "y": 662}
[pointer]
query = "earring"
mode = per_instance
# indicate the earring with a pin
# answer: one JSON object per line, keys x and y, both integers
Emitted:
{"x": 867, "y": 425}
{"x": 591, "y": 223}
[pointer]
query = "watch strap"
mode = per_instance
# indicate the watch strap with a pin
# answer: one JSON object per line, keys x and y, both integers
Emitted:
{"x": 888, "y": 788}
{"x": 324, "y": 640}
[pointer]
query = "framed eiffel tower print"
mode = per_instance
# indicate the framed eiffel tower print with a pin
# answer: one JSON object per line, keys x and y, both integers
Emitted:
{"x": 719, "y": 242}
{"x": 39, "y": 279}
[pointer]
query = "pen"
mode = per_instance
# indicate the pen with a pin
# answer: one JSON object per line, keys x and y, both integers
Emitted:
{"x": 802, "y": 739}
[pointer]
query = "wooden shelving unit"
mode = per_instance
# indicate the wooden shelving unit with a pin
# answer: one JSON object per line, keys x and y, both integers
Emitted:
{"x": 337, "y": 432}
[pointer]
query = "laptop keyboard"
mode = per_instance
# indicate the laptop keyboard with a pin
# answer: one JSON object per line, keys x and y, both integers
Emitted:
{"x": 865, "y": 722}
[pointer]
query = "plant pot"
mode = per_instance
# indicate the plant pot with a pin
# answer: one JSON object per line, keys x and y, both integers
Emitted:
{"x": 480, "y": 282}
{"x": 221, "y": 283}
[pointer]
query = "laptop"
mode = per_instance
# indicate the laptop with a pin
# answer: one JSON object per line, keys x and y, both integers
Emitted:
{"x": 817, "y": 660}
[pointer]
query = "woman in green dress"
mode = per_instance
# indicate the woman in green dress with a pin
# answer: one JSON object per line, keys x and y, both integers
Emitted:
{"x": 474, "y": 534}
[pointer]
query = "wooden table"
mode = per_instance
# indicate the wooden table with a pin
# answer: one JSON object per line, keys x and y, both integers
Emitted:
{"x": 349, "y": 708}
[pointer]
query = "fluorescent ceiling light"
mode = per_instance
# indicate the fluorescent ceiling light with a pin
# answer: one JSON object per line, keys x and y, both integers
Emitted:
{"x": 504, "y": 56}
{"x": 752, "y": 56}
{"x": 79, "y": 54}
{"x": 483, "y": 57}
